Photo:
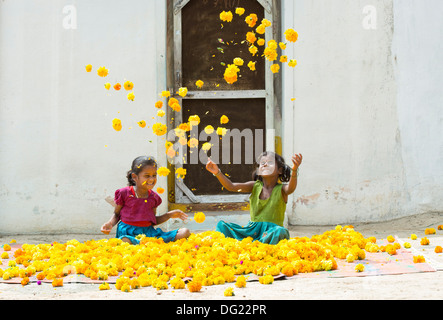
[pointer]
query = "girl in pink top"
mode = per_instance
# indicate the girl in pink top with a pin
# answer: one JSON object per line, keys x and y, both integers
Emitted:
{"x": 136, "y": 206}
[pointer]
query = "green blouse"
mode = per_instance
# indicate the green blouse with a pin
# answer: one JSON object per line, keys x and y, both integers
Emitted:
{"x": 267, "y": 210}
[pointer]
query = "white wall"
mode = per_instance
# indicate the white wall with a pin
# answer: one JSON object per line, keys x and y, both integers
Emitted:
{"x": 55, "y": 120}
{"x": 368, "y": 116}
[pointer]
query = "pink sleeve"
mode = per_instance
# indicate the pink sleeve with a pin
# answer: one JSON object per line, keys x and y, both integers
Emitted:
{"x": 158, "y": 200}
{"x": 119, "y": 198}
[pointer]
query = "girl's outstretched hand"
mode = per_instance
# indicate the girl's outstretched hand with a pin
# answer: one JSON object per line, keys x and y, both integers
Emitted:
{"x": 296, "y": 160}
{"x": 212, "y": 167}
{"x": 177, "y": 214}
{"x": 106, "y": 228}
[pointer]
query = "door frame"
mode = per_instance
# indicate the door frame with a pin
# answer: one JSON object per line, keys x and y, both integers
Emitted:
{"x": 179, "y": 194}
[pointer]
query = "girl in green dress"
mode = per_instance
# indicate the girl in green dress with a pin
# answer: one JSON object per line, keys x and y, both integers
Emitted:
{"x": 268, "y": 197}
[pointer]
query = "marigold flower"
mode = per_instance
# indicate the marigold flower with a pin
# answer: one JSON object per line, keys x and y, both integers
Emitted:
{"x": 107, "y": 86}
{"x": 6, "y": 247}
{"x": 182, "y": 92}
{"x": 283, "y": 59}
{"x": 424, "y": 241}
{"x": 261, "y": 29}
{"x": 102, "y": 72}
{"x": 177, "y": 283}
{"x": 131, "y": 96}
{"x": 159, "y": 104}
{"x": 438, "y": 249}
{"x": 413, "y": 236}
{"x": 390, "y": 239}
{"x": 117, "y": 124}
{"x": 359, "y": 267}
{"x": 229, "y": 292}
{"x": 199, "y": 217}
{"x": 206, "y": 146}
{"x": 25, "y": 281}
{"x": 224, "y": 119}
{"x": 222, "y": 131}
{"x": 209, "y": 129}
{"x": 407, "y": 245}
{"x": 250, "y": 37}
{"x": 292, "y": 63}
{"x": 238, "y": 61}
{"x": 180, "y": 173}
{"x": 418, "y": 259}
{"x": 142, "y": 123}
{"x": 440, "y": 227}
{"x": 239, "y": 11}
{"x": 253, "y": 50}
{"x": 194, "y": 286}
{"x": 251, "y": 20}
{"x": 166, "y": 94}
{"x": 226, "y": 16}
{"x": 117, "y": 86}
{"x": 199, "y": 84}
{"x": 194, "y": 120}
{"x": 270, "y": 54}
{"x": 160, "y": 113}
{"x": 163, "y": 171}
{"x": 57, "y": 282}
{"x": 88, "y": 68}
{"x": 104, "y": 286}
{"x": 291, "y": 35}
{"x": 429, "y": 231}
{"x": 193, "y": 143}
{"x": 267, "y": 279}
{"x": 251, "y": 66}
{"x": 240, "y": 282}
{"x": 282, "y": 45}
{"x": 128, "y": 85}
{"x": 261, "y": 42}
{"x": 275, "y": 68}
{"x": 159, "y": 129}
{"x": 230, "y": 74}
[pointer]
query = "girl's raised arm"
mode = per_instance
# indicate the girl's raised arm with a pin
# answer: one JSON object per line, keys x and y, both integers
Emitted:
{"x": 245, "y": 187}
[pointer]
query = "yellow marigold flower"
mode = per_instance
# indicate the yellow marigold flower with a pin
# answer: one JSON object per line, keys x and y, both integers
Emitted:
{"x": 117, "y": 124}
{"x": 429, "y": 231}
{"x": 250, "y": 37}
{"x": 230, "y": 74}
{"x": 163, "y": 171}
{"x": 229, "y": 292}
{"x": 176, "y": 107}
{"x": 104, "y": 286}
{"x": 177, "y": 283}
{"x": 390, "y": 239}
{"x": 226, "y": 16}
{"x": 193, "y": 143}
{"x": 418, "y": 259}
{"x": 194, "y": 120}
{"x": 251, "y": 66}
{"x": 194, "y": 286}
{"x": 142, "y": 123}
{"x": 199, "y": 217}
{"x": 240, "y": 282}
{"x": 166, "y": 94}
{"x": 209, "y": 129}
{"x": 413, "y": 236}
{"x": 251, "y": 20}
{"x": 260, "y": 29}
{"x": 131, "y": 96}
{"x": 182, "y": 92}
{"x": 57, "y": 282}
{"x": 424, "y": 241}
{"x": 270, "y": 54}
{"x": 261, "y": 42}
{"x": 160, "y": 113}
{"x": 6, "y": 247}
{"x": 88, "y": 68}
{"x": 282, "y": 45}
{"x": 180, "y": 172}
{"x": 102, "y": 72}
{"x": 291, "y": 35}
{"x": 391, "y": 249}
{"x": 221, "y": 131}
{"x": 359, "y": 267}
{"x": 4, "y": 255}
{"x": 159, "y": 129}
{"x": 268, "y": 279}
{"x": 238, "y": 61}
{"x": 266, "y": 23}
{"x": 206, "y": 146}
{"x": 128, "y": 85}
{"x": 126, "y": 287}
{"x": 440, "y": 227}
{"x": 199, "y": 84}
{"x": 275, "y": 68}
{"x": 159, "y": 104}
{"x": 239, "y": 11}
{"x": 253, "y": 50}
{"x": 224, "y": 119}
{"x": 407, "y": 245}
{"x": 107, "y": 86}
{"x": 283, "y": 59}
{"x": 350, "y": 257}
{"x": 292, "y": 63}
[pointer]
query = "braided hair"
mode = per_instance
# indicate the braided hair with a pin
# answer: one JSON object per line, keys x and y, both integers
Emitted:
{"x": 137, "y": 166}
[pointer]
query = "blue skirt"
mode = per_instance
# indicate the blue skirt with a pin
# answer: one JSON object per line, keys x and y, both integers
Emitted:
{"x": 127, "y": 231}
{"x": 265, "y": 232}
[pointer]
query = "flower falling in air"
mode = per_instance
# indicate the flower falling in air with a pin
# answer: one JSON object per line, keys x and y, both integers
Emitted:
{"x": 102, "y": 72}
{"x": 251, "y": 66}
{"x": 117, "y": 86}
{"x": 182, "y": 92}
{"x": 253, "y": 50}
{"x": 166, "y": 94}
{"x": 206, "y": 146}
{"x": 224, "y": 119}
{"x": 226, "y": 16}
{"x": 222, "y": 131}
{"x": 282, "y": 45}
{"x": 180, "y": 173}
{"x": 163, "y": 171}
{"x": 142, "y": 123}
{"x": 251, "y": 20}
{"x": 159, "y": 104}
{"x": 275, "y": 68}
{"x": 193, "y": 143}
{"x": 209, "y": 129}
{"x": 159, "y": 129}
{"x": 292, "y": 63}
{"x": 239, "y": 11}
{"x": 238, "y": 61}
{"x": 160, "y": 113}
{"x": 117, "y": 124}
{"x": 260, "y": 29}
{"x": 194, "y": 120}
{"x": 230, "y": 74}
{"x": 261, "y": 42}
{"x": 131, "y": 96}
{"x": 128, "y": 85}
{"x": 88, "y": 68}
{"x": 250, "y": 37}
{"x": 291, "y": 35}
{"x": 199, "y": 84}
{"x": 283, "y": 59}
{"x": 199, "y": 217}
{"x": 160, "y": 190}
{"x": 107, "y": 86}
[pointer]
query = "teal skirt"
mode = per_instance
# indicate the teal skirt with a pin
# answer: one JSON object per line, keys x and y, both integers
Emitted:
{"x": 265, "y": 232}
{"x": 131, "y": 232}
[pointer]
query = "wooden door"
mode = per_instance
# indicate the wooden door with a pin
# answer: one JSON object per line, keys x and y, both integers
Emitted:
{"x": 200, "y": 47}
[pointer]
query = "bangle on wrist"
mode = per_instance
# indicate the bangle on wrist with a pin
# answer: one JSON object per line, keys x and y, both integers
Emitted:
{"x": 216, "y": 174}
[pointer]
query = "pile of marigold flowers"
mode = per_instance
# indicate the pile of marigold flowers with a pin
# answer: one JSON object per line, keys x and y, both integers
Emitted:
{"x": 204, "y": 259}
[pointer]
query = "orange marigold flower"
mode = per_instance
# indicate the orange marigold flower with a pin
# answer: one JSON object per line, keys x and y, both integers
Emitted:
{"x": 57, "y": 282}
{"x": 180, "y": 172}
{"x": 160, "y": 190}
{"x": 199, "y": 84}
{"x": 224, "y": 119}
{"x": 424, "y": 241}
{"x": 359, "y": 267}
{"x": 429, "y": 231}
{"x": 117, "y": 86}
{"x": 131, "y": 96}
{"x": 194, "y": 286}
{"x": 163, "y": 171}
{"x": 438, "y": 249}
{"x": 418, "y": 259}
{"x": 128, "y": 85}
{"x": 25, "y": 281}
{"x": 390, "y": 239}
{"x": 440, "y": 227}
{"x": 159, "y": 129}
{"x": 250, "y": 37}
{"x": 251, "y": 20}
{"x": 251, "y": 66}
{"x": 142, "y": 123}
{"x": 226, "y": 16}
{"x": 292, "y": 63}
{"x": 239, "y": 11}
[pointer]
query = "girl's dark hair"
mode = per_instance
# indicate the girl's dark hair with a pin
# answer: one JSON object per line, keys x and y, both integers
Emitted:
{"x": 137, "y": 166}
{"x": 285, "y": 176}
